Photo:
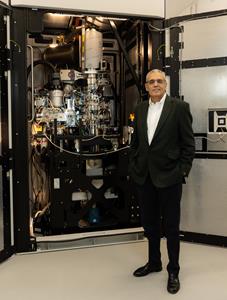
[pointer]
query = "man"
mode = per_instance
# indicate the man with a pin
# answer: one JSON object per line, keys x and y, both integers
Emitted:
{"x": 161, "y": 156}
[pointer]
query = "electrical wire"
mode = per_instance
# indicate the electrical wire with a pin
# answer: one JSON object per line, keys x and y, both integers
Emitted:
{"x": 185, "y": 21}
{"x": 88, "y": 154}
{"x": 93, "y": 138}
{"x": 212, "y": 140}
{"x": 42, "y": 212}
{"x": 177, "y": 25}
{"x": 17, "y": 45}
{"x": 39, "y": 182}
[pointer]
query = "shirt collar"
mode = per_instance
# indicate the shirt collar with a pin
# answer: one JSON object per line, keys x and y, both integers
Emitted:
{"x": 159, "y": 102}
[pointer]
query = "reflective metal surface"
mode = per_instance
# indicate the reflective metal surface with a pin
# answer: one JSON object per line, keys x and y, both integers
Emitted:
{"x": 204, "y": 88}
{"x": 204, "y": 38}
{"x": 204, "y": 204}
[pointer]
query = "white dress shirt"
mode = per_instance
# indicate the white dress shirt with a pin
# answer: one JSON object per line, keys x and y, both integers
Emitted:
{"x": 153, "y": 116}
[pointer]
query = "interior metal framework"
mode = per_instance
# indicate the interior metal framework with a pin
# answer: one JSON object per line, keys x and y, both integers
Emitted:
{"x": 70, "y": 174}
{"x": 6, "y": 248}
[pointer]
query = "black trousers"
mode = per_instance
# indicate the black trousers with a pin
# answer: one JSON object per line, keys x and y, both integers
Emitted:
{"x": 160, "y": 208}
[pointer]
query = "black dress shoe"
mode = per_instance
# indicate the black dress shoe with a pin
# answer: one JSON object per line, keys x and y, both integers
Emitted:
{"x": 145, "y": 270}
{"x": 173, "y": 284}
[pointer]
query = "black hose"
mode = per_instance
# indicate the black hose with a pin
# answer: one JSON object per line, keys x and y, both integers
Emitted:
{"x": 41, "y": 62}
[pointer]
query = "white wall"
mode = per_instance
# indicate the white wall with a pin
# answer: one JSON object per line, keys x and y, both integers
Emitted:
{"x": 141, "y": 7}
{"x": 184, "y": 7}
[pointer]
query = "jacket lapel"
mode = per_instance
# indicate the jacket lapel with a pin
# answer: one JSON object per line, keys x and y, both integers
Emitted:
{"x": 165, "y": 112}
{"x": 144, "y": 118}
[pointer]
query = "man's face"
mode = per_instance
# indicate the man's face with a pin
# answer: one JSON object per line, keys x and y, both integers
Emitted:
{"x": 155, "y": 85}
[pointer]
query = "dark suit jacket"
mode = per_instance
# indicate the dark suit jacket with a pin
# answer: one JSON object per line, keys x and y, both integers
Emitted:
{"x": 168, "y": 159}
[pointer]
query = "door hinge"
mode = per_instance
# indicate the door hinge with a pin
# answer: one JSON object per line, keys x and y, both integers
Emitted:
{"x": 8, "y": 59}
{"x": 10, "y": 158}
{"x": 7, "y": 160}
{"x": 10, "y": 163}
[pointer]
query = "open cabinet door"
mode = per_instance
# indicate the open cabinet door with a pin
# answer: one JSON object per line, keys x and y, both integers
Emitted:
{"x": 6, "y": 217}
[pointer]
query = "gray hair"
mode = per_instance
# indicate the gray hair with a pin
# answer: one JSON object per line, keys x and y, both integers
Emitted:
{"x": 154, "y": 71}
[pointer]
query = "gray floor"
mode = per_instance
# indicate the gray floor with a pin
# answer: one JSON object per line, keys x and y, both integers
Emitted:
{"x": 105, "y": 273}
